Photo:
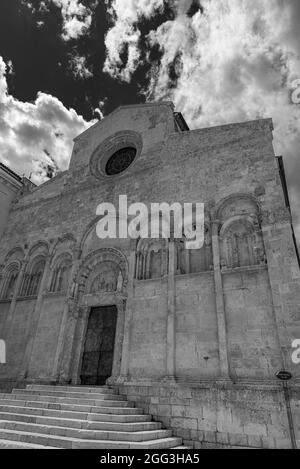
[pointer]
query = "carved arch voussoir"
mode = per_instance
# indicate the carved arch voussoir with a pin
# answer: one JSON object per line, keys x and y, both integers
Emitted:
{"x": 42, "y": 247}
{"x": 220, "y": 206}
{"x": 13, "y": 253}
{"x": 95, "y": 258}
{"x": 68, "y": 237}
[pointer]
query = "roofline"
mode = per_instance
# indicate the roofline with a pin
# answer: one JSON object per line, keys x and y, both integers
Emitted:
{"x": 10, "y": 172}
{"x": 127, "y": 106}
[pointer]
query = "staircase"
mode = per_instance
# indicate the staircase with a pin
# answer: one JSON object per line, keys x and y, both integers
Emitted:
{"x": 77, "y": 417}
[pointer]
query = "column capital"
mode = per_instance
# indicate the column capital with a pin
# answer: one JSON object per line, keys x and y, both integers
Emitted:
{"x": 24, "y": 263}
{"x": 77, "y": 251}
{"x": 215, "y": 224}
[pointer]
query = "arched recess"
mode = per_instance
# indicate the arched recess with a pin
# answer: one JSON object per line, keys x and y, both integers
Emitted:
{"x": 10, "y": 275}
{"x": 33, "y": 276}
{"x": 11, "y": 267}
{"x": 151, "y": 258}
{"x": 237, "y": 204}
{"x": 99, "y": 263}
{"x": 60, "y": 272}
{"x": 65, "y": 243}
{"x": 17, "y": 253}
{"x": 108, "y": 265}
{"x": 40, "y": 248}
{"x": 240, "y": 236}
{"x": 195, "y": 260}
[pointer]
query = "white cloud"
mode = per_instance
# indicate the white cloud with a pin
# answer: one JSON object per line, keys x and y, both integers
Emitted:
{"x": 33, "y": 135}
{"x": 125, "y": 34}
{"x": 79, "y": 67}
{"x": 77, "y": 18}
{"x": 235, "y": 61}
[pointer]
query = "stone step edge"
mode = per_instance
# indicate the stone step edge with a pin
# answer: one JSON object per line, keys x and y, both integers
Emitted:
{"x": 60, "y": 428}
{"x": 13, "y": 444}
{"x": 84, "y": 441}
{"x": 71, "y": 395}
{"x": 67, "y": 420}
{"x": 65, "y": 387}
{"x": 31, "y": 398}
{"x": 88, "y": 415}
{"x": 100, "y": 407}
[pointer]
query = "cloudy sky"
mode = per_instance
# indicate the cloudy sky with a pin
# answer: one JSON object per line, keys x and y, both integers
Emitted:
{"x": 66, "y": 63}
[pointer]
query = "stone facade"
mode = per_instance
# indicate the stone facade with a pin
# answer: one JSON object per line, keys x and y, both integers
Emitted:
{"x": 11, "y": 184}
{"x": 200, "y": 334}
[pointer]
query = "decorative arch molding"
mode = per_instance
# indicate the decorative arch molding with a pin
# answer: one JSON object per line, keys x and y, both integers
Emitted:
{"x": 65, "y": 239}
{"x": 143, "y": 245}
{"x": 91, "y": 226}
{"x": 95, "y": 258}
{"x": 60, "y": 257}
{"x": 10, "y": 274}
{"x": 42, "y": 247}
{"x": 60, "y": 268}
{"x": 88, "y": 231}
{"x": 234, "y": 197}
{"x": 33, "y": 275}
{"x": 251, "y": 221}
{"x": 241, "y": 242}
{"x": 151, "y": 258}
{"x": 16, "y": 253}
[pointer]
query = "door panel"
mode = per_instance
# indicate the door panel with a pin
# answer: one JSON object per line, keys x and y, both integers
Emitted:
{"x": 99, "y": 345}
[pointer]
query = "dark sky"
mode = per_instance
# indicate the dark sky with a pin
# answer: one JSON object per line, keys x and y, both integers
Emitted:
{"x": 42, "y": 60}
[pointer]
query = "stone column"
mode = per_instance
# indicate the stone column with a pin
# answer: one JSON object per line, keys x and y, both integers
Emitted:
{"x": 140, "y": 267}
{"x": 74, "y": 345}
{"x": 68, "y": 303}
{"x": 171, "y": 313}
{"x": 128, "y": 318}
{"x": 24, "y": 370}
{"x": 220, "y": 305}
{"x": 187, "y": 261}
{"x": 12, "y": 308}
{"x": 119, "y": 338}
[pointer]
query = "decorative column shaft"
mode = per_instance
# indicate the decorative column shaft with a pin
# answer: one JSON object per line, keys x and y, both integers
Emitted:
{"x": 128, "y": 318}
{"x": 63, "y": 331}
{"x": 171, "y": 313}
{"x": 220, "y": 305}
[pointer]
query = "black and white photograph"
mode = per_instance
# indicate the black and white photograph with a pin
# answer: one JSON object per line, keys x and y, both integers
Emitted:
{"x": 149, "y": 228}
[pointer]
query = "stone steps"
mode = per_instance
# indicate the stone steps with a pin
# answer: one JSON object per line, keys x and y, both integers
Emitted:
{"x": 85, "y": 389}
{"x": 69, "y": 407}
{"x": 72, "y": 395}
{"x": 77, "y": 417}
{"x": 76, "y": 443}
{"x": 81, "y": 424}
{"x": 83, "y": 433}
{"x": 6, "y": 409}
{"x": 7, "y": 444}
{"x": 67, "y": 400}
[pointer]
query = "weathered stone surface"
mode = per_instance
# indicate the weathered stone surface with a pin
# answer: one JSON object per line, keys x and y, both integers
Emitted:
{"x": 220, "y": 320}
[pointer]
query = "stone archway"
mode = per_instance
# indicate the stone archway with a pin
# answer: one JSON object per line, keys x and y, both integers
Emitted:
{"x": 96, "y": 287}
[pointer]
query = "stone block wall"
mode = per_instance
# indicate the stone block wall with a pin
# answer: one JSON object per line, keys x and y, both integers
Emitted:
{"x": 220, "y": 415}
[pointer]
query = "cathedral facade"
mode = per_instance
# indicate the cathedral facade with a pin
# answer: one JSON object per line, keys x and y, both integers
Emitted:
{"x": 195, "y": 337}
